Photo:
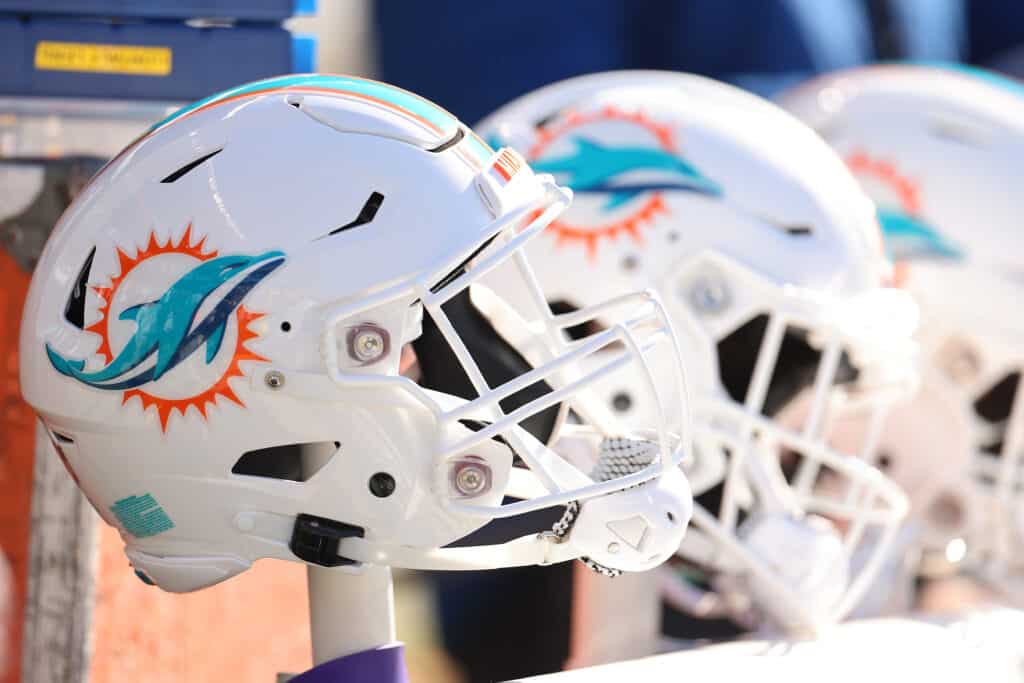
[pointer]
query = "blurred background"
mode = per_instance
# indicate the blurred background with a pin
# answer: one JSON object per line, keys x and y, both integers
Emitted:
{"x": 470, "y": 57}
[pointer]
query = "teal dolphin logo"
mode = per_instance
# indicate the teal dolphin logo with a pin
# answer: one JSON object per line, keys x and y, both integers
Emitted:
{"x": 595, "y": 168}
{"x": 908, "y": 238}
{"x": 167, "y": 331}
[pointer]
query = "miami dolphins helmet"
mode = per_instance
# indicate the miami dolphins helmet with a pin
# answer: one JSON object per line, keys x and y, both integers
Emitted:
{"x": 769, "y": 261}
{"x": 221, "y": 333}
{"x": 939, "y": 150}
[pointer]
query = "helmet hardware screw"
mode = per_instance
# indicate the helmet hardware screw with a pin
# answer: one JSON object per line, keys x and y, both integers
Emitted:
{"x": 274, "y": 379}
{"x": 471, "y": 476}
{"x": 622, "y": 402}
{"x": 368, "y": 343}
{"x": 382, "y": 484}
{"x": 709, "y": 294}
{"x": 960, "y": 361}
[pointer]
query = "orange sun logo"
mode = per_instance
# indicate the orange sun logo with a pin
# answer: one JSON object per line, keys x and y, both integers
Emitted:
{"x": 592, "y": 167}
{"x": 906, "y": 192}
{"x": 905, "y": 189}
{"x": 220, "y": 387}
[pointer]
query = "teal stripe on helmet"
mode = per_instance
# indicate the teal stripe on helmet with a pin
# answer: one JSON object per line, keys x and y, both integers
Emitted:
{"x": 480, "y": 149}
{"x": 342, "y": 84}
{"x": 403, "y": 99}
{"x": 1004, "y": 83}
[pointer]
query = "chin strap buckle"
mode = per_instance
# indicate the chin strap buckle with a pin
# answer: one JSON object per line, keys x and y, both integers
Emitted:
{"x": 316, "y": 540}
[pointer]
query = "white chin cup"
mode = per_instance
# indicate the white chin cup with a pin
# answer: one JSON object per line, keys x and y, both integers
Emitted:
{"x": 806, "y": 554}
{"x": 638, "y": 528}
{"x": 184, "y": 574}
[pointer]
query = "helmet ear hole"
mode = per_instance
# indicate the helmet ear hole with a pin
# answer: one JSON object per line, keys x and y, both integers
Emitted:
{"x": 289, "y": 462}
{"x": 958, "y": 131}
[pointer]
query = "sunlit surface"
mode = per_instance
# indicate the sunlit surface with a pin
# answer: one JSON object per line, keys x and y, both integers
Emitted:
{"x": 955, "y": 550}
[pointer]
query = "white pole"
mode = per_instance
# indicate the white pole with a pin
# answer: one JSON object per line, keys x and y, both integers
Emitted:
{"x": 348, "y": 612}
{"x": 57, "y": 645}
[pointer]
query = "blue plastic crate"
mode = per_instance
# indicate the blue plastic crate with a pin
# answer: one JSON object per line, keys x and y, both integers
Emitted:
{"x": 244, "y": 10}
{"x": 162, "y": 61}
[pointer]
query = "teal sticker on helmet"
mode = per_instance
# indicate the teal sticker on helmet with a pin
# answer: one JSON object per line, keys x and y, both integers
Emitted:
{"x": 141, "y": 516}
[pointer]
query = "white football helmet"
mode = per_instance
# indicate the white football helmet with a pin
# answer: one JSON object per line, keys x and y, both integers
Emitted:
{"x": 214, "y": 333}
{"x": 939, "y": 150}
{"x": 768, "y": 258}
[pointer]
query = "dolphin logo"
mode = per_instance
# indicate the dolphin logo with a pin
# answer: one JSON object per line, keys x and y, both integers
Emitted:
{"x": 593, "y": 167}
{"x": 908, "y": 238}
{"x": 167, "y": 329}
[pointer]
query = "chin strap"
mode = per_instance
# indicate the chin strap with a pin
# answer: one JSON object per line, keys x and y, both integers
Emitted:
{"x": 562, "y": 528}
{"x": 330, "y": 543}
{"x": 619, "y": 457}
{"x": 537, "y": 549}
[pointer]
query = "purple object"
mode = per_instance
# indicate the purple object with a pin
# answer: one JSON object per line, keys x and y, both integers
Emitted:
{"x": 380, "y": 665}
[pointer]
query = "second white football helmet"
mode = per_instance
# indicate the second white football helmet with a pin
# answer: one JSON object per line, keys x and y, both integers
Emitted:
{"x": 768, "y": 258}
{"x": 939, "y": 150}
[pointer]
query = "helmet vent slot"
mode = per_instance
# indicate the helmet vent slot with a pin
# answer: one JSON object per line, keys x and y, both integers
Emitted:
{"x": 62, "y": 439}
{"x": 290, "y": 462}
{"x": 458, "y": 270}
{"x": 177, "y": 175}
{"x": 540, "y": 124}
{"x": 450, "y": 142}
{"x": 366, "y": 214}
{"x": 958, "y": 132}
{"x": 74, "y": 309}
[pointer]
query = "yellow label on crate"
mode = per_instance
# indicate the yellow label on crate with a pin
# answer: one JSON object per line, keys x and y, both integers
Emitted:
{"x": 137, "y": 60}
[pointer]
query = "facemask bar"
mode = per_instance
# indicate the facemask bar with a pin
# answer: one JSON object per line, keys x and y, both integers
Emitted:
{"x": 1009, "y": 475}
{"x": 537, "y": 456}
{"x": 879, "y": 503}
{"x": 813, "y": 431}
{"x": 754, "y": 443}
{"x": 562, "y": 371}
{"x": 555, "y": 326}
{"x": 646, "y": 328}
{"x": 1000, "y": 480}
